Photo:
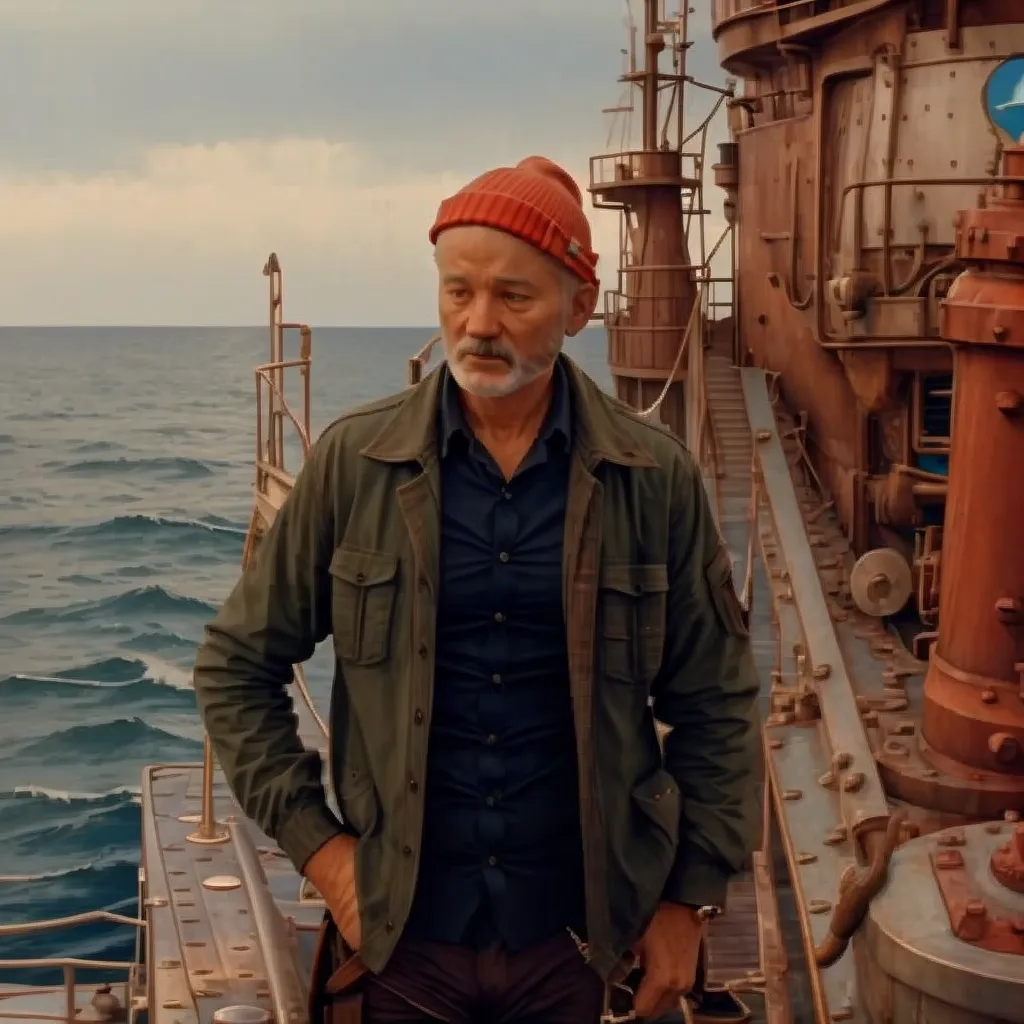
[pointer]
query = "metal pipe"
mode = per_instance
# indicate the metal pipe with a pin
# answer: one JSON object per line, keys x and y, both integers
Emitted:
{"x": 287, "y": 991}
{"x": 210, "y": 830}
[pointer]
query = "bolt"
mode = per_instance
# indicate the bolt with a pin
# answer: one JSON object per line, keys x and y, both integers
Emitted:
{"x": 1009, "y": 402}
{"x": 853, "y": 782}
{"x": 951, "y": 839}
{"x": 764, "y": 435}
{"x": 988, "y": 696}
{"x": 776, "y": 744}
{"x": 1004, "y": 747}
{"x": 1009, "y": 610}
{"x": 999, "y": 332}
{"x": 949, "y": 859}
{"x": 975, "y": 908}
{"x": 806, "y": 858}
{"x": 792, "y": 794}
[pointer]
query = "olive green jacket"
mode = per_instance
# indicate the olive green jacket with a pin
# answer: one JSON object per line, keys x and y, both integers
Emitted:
{"x": 650, "y": 612}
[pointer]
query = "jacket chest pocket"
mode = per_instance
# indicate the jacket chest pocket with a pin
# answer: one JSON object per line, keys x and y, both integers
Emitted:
{"x": 363, "y": 589}
{"x": 632, "y": 607}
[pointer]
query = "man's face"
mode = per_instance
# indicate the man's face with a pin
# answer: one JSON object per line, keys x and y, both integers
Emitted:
{"x": 505, "y": 309}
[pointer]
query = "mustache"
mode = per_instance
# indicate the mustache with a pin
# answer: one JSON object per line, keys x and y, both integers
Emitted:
{"x": 486, "y": 348}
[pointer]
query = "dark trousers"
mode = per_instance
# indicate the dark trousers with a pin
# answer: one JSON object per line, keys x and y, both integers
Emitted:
{"x": 425, "y": 982}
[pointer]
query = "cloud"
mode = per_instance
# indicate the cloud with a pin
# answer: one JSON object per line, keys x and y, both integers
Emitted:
{"x": 155, "y": 152}
{"x": 183, "y": 239}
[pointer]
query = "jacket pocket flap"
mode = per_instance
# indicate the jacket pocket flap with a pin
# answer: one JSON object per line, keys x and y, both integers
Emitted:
{"x": 635, "y": 580}
{"x": 363, "y": 568}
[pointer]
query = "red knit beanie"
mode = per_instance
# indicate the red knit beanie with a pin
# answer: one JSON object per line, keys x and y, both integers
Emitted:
{"x": 536, "y": 201}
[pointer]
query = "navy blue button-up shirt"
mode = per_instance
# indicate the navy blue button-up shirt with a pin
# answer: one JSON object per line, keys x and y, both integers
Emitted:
{"x": 502, "y": 849}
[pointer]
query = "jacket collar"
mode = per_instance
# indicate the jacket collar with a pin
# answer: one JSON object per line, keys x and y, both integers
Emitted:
{"x": 600, "y": 434}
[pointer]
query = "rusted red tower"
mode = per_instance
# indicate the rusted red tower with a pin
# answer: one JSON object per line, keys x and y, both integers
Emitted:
{"x": 657, "y": 188}
{"x": 974, "y": 691}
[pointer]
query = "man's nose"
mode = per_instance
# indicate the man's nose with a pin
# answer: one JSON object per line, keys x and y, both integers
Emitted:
{"x": 482, "y": 320}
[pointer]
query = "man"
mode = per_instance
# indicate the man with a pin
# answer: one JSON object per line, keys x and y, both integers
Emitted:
{"x": 512, "y": 565}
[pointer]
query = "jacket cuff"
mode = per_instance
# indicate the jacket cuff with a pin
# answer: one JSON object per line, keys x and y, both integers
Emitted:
{"x": 305, "y": 831}
{"x": 697, "y": 880}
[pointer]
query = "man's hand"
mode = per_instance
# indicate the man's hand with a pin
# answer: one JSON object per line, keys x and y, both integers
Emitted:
{"x": 668, "y": 953}
{"x": 332, "y": 869}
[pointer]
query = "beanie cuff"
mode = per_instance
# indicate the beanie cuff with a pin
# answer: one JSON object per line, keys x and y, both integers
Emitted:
{"x": 521, "y": 219}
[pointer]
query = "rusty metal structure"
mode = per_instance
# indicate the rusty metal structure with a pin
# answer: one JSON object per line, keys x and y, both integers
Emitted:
{"x": 859, "y": 420}
{"x": 851, "y": 383}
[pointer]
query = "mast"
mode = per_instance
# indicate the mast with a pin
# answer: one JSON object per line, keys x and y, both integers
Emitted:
{"x": 657, "y": 191}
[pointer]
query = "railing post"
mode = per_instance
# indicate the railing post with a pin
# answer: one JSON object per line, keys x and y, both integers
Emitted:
{"x": 210, "y": 830}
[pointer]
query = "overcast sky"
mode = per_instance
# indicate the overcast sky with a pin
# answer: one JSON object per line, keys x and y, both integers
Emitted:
{"x": 154, "y": 151}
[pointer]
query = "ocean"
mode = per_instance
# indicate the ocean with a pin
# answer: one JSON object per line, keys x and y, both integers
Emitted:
{"x": 125, "y": 489}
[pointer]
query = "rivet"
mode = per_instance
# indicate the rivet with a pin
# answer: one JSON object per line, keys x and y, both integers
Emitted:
{"x": 853, "y": 782}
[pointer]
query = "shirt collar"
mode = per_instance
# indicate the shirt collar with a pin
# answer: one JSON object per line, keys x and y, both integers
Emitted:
{"x": 557, "y": 426}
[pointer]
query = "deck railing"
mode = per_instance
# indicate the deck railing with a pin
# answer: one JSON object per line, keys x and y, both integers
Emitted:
{"x": 69, "y": 966}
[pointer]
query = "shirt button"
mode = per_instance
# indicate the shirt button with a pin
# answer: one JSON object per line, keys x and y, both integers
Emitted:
{"x": 496, "y": 679}
{"x": 493, "y": 861}
{"x": 503, "y": 557}
{"x": 413, "y": 785}
{"x": 492, "y": 739}
{"x": 499, "y": 616}
{"x": 423, "y": 650}
{"x": 418, "y": 717}
{"x": 407, "y": 850}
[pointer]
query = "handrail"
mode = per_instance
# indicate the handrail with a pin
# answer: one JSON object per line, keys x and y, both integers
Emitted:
{"x": 72, "y": 921}
{"x": 269, "y": 463}
{"x": 414, "y": 368}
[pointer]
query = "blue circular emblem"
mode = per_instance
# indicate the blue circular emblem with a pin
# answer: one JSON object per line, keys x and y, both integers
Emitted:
{"x": 1004, "y": 99}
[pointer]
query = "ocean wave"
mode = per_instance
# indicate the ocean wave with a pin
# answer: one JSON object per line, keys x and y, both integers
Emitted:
{"x": 133, "y": 528}
{"x": 151, "y": 602}
{"x": 122, "y": 740}
{"x": 164, "y": 466}
{"x": 159, "y": 641}
{"x": 148, "y": 684}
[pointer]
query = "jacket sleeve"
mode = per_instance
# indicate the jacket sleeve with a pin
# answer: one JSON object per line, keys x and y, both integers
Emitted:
{"x": 277, "y": 613}
{"x": 706, "y": 694}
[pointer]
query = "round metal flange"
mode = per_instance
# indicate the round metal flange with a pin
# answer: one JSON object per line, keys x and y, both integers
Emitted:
{"x": 943, "y": 933}
{"x": 880, "y": 582}
{"x": 221, "y": 883}
{"x": 241, "y": 1014}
